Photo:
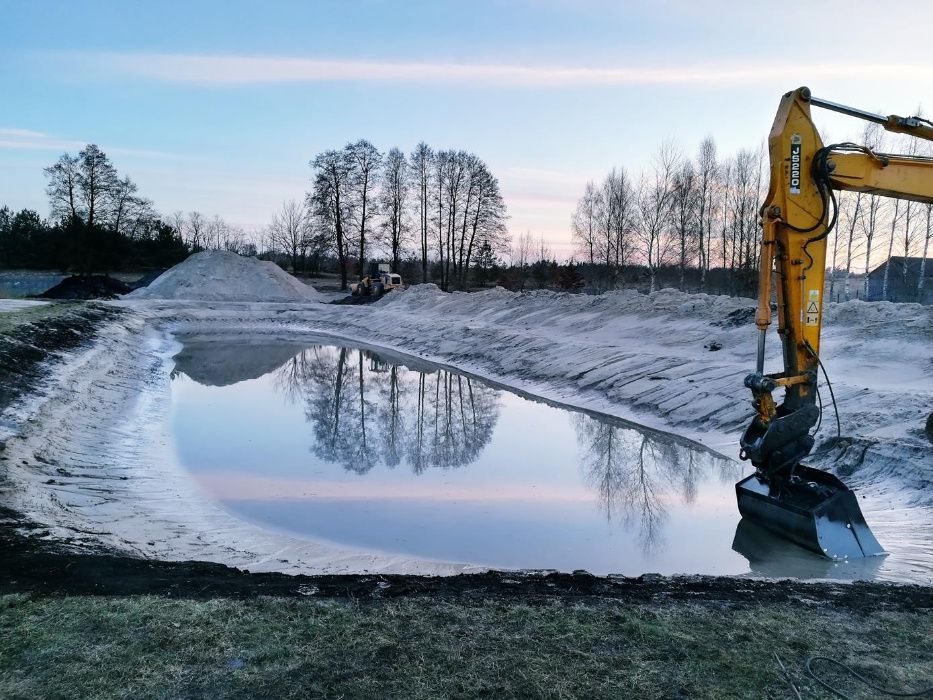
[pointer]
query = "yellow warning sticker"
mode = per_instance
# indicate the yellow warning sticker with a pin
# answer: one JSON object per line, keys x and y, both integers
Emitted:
{"x": 813, "y": 308}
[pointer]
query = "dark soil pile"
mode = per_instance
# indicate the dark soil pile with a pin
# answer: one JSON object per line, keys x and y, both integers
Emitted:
{"x": 87, "y": 287}
{"x": 351, "y": 300}
{"x": 147, "y": 279}
{"x": 25, "y": 348}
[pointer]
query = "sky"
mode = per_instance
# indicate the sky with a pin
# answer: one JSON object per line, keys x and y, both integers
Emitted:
{"x": 218, "y": 106}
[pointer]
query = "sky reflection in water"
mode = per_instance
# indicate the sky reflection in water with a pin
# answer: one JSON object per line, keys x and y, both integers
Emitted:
{"x": 342, "y": 445}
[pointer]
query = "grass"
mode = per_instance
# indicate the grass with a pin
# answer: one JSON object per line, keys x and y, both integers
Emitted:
{"x": 10, "y": 320}
{"x": 422, "y": 647}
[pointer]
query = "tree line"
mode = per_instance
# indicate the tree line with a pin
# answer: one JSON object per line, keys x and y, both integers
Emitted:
{"x": 872, "y": 229}
{"x": 441, "y": 208}
{"x": 689, "y": 221}
{"x": 99, "y": 222}
{"x": 695, "y": 218}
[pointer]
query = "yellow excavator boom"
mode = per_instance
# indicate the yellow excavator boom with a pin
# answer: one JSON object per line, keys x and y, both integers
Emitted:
{"x": 798, "y": 214}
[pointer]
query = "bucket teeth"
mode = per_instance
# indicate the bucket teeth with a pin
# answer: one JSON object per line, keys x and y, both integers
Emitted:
{"x": 814, "y": 509}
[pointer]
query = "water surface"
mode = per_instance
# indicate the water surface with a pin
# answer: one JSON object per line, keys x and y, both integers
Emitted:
{"x": 356, "y": 448}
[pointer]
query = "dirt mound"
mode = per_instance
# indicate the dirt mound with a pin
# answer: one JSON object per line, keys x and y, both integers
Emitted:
{"x": 86, "y": 287}
{"x": 147, "y": 279}
{"x": 216, "y": 275}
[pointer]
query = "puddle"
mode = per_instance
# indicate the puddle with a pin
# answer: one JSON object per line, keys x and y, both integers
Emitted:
{"x": 364, "y": 450}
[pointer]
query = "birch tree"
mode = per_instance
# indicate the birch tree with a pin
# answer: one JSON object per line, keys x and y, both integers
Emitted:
{"x": 707, "y": 170}
{"x": 896, "y": 213}
{"x": 654, "y": 210}
{"x": 685, "y": 205}
{"x": 584, "y": 222}
{"x": 921, "y": 281}
{"x": 854, "y": 211}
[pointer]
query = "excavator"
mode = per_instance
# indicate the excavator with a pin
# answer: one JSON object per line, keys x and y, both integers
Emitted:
{"x": 800, "y": 503}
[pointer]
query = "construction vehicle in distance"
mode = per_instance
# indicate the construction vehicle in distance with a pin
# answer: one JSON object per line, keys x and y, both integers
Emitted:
{"x": 378, "y": 280}
{"x": 806, "y": 505}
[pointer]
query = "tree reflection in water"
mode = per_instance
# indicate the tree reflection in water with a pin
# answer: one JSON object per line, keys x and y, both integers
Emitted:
{"x": 635, "y": 472}
{"x": 366, "y": 412}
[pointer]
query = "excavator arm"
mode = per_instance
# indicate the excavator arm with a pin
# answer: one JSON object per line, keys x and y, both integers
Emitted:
{"x": 804, "y": 504}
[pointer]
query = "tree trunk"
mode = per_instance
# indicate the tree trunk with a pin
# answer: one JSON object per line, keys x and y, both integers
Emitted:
{"x": 923, "y": 260}
{"x": 887, "y": 267}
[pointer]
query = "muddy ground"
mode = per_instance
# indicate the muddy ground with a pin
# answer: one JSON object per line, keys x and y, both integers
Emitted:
{"x": 33, "y": 564}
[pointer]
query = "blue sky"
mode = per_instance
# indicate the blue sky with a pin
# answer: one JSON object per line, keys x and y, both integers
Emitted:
{"x": 218, "y": 106}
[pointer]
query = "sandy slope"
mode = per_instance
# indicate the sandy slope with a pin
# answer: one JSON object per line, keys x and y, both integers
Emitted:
{"x": 648, "y": 359}
{"x": 637, "y": 357}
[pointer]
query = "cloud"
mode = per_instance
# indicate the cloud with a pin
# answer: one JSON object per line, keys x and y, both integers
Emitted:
{"x": 21, "y": 133}
{"x": 240, "y": 70}
{"x": 26, "y": 139}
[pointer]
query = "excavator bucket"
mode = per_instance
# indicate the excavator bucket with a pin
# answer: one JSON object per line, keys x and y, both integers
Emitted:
{"x": 776, "y": 557}
{"x": 812, "y": 508}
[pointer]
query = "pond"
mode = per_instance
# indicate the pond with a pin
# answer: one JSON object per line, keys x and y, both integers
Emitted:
{"x": 387, "y": 454}
{"x": 18, "y": 284}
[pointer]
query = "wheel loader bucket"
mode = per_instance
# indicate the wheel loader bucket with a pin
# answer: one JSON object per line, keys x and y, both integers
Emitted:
{"x": 814, "y": 509}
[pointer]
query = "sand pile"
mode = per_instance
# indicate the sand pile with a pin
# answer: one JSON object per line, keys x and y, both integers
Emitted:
{"x": 216, "y": 275}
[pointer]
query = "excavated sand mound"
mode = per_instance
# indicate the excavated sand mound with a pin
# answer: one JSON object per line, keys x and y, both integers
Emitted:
{"x": 216, "y": 275}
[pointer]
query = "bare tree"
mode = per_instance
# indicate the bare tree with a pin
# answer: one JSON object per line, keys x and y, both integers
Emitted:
{"x": 521, "y": 253}
{"x": 82, "y": 187}
{"x": 233, "y": 239}
{"x": 421, "y": 162}
{"x": 364, "y": 161}
{"x": 655, "y": 194}
{"x": 290, "y": 230}
{"x": 707, "y": 172}
{"x": 394, "y": 203}
{"x": 618, "y": 201}
{"x": 439, "y": 187}
{"x": 921, "y": 281}
{"x": 585, "y": 222}
{"x": 854, "y": 213}
{"x": 873, "y": 137}
{"x": 722, "y": 204}
{"x": 178, "y": 222}
{"x": 482, "y": 216}
{"x": 896, "y": 213}
{"x": 96, "y": 180}
{"x": 869, "y": 224}
{"x": 909, "y": 234}
{"x": 329, "y": 201}
{"x": 686, "y": 198}
{"x": 455, "y": 181}
{"x": 197, "y": 231}
{"x": 742, "y": 199}
{"x": 129, "y": 213}
{"x": 63, "y": 188}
